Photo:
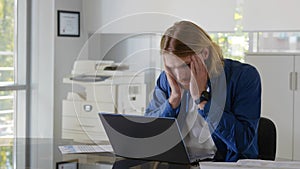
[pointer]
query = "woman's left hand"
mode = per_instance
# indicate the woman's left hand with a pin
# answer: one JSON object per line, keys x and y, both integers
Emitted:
{"x": 199, "y": 76}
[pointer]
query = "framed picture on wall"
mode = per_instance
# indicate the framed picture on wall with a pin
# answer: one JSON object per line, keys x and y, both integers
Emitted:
{"x": 68, "y": 23}
{"x": 71, "y": 164}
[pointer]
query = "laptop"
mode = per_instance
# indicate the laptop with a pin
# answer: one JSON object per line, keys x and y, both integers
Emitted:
{"x": 146, "y": 138}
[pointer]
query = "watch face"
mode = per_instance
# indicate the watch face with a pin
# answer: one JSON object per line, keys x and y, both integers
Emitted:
{"x": 205, "y": 96}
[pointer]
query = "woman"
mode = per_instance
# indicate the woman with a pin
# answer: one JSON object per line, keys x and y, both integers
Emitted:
{"x": 227, "y": 93}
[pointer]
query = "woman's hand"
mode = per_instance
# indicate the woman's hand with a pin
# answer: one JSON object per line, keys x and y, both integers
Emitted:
{"x": 199, "y": 76}
{"x": 176, "y": 90}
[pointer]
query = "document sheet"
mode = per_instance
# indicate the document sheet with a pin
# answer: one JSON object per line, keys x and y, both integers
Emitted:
{"x": 69, "y": 149}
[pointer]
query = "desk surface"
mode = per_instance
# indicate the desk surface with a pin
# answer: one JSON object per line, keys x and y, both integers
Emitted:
{"x": 44, "y": 154}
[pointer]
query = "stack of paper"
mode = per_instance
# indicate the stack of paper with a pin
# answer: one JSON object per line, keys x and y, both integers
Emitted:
{"x": 68, "y": 149}
{"x": 270, "y": 164}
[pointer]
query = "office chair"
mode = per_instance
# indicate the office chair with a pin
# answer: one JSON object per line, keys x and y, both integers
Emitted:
{"x": 266, "y": 139}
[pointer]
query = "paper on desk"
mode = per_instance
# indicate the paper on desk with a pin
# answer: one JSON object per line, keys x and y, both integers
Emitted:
{"x": 251, "y": 164}
{"x": 270, "y": 164}
{"x": 69, "y": 149}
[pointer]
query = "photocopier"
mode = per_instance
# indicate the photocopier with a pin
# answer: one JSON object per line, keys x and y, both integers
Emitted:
{"x": 99, "y": 86}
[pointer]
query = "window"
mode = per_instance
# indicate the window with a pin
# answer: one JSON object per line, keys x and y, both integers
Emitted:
{"x": 276, "y": 42}
{"x": 6, "y": 66}
{"x": 233, "y": 45}
{"x": 12, "y": 80}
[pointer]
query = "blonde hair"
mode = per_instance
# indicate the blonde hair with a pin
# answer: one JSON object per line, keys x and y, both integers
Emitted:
{"x": 186, "y": 38}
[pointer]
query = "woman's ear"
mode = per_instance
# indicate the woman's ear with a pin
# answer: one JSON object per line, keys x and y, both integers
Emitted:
{"x": 205, "y": 53}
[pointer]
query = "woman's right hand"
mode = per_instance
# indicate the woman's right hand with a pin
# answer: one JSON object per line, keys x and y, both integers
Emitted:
{"x": 176, "y": 90}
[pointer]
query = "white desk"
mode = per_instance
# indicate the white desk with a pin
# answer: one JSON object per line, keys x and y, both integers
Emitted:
{"x": 251, "y": 164}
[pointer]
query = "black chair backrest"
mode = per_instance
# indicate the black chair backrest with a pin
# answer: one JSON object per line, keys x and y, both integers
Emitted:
{"x": 266, "y": 139}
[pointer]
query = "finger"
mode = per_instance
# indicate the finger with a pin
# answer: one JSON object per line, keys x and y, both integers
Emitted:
{"x": 193, "y": 67}
{"x": 169, "y": 74}
{"x": 200, "y": 61}
{"x": 170, "y": 77}
{"x": 175, "y": 87}
{"x": 167, "y": 70}
{"x": 201, "y": 65}
{"x": 193, "y": 82}
{"x": 196, "y": 68}
{"x": 199, "y": 71}
{"x": 193, "y": 70}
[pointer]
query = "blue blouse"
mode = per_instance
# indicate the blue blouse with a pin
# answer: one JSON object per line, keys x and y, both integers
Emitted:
{"x": 235, "y": 130}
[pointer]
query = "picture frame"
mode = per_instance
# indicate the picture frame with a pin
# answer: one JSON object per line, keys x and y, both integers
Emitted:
{"x": 70, "y": 164}
{"x": 68, "y": 23}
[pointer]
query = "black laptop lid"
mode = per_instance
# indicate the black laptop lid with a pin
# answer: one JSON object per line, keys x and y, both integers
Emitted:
{"x": 148, "y": 138}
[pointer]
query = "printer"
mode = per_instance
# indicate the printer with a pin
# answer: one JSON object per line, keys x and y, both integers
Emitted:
{"x": 105, "y": 86}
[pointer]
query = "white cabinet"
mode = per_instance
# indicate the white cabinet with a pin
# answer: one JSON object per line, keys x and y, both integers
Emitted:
{"x": 297, "y": 110}
{"x": 279, "y": 98}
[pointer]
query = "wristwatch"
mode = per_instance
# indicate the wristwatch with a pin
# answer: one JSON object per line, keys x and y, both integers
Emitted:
{"x": 205, "y": 96}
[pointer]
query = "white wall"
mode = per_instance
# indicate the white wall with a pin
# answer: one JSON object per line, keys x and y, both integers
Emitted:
{"x": 42, "y": 77}
{"x": 280, "y": 16}
{"x": 156, "y": 15}
{"x": 52, "y": 59}
{"x": 67, "y": 50}
{"x": 42, "y": 68}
